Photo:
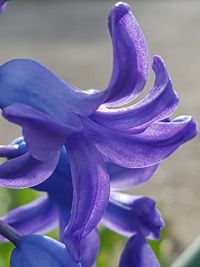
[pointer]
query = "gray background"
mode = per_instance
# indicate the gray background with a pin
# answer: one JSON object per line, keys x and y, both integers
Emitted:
{"x": 71, "y": 38}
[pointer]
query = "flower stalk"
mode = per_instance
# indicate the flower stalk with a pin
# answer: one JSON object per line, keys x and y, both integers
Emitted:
{"x": 10, "y": 233}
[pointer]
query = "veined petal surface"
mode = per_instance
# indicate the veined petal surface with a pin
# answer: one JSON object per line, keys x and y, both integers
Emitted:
{"x": 25, "y": 171}
{"x": 130, "y": 56}
{"x": 91, "y": 191}
{"x": 152, "y": 146}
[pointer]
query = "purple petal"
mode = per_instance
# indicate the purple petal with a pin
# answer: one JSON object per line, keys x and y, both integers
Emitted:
{"x": 8, "y": 151}
{"x": 27, "y": 82}
{"x": 25, "y": 171}
{"x": 128, "y": 214}
{"x": 43, "y": 135}
{"x": 39, "y": 216}
{"x": 13, "y": 150}
{"x": 160, "y": 103}
{"x": 3, "y": 6}
{"x": 125, "y": 178}
{"x": 142, "y": 150}
{"x": 138, "y": 253}
{"x": 64, "y": 217}
{"x": 91, "y": 191}
{"x": 90, "y": 249}
{"x": 130, "y": 56}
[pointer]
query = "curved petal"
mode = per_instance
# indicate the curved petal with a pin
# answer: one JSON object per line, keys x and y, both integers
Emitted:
{"x": 128, "y": 214}
{"x": 39, "y": 216}
{"x": 8, "y": 151}
{"x": 59, "y": 182}
{"x": 27, "y": 82}
{"x": 42, "y": 134}
{"x": 16, "y": 148}
{"x": 160, "y": 103}
{"x": 91, "y": 191}
{"x": 130, "y": 56}
{"x": 142, "y": 150}
{"x": 126, "y": 178}
{"x": 138, "y": 253}
{"x": 25, "y": 171}
{"x": 90, "y": 249}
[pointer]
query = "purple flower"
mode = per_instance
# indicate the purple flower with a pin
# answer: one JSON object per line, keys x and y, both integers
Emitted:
{"x": 35, "y": 250}
{"x": 91, "y": 125}
{"x": 125, "y": 214}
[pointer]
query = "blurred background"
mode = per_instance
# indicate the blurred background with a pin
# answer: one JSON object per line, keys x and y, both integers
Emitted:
{"x": 71, "y": 38}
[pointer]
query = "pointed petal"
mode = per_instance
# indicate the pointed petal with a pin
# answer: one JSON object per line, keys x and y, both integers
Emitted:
{"x": 25, "y": 171}
{"x": 13, "y": 150}
{"x": 160, "y": 103}
{"x": 142, "y": 150}
{"x": 90, "y": 249}
{"x": 91, "y": 191}
{"x": 39, "y": 216}
{"x": 126, "y": 178}
{"x": 27, "y": 82}
{"x": 138, "y": 253}
{"x": 131, "y": 56}
{"x": 128, "y": 214}
{"x": 43, "y": 135}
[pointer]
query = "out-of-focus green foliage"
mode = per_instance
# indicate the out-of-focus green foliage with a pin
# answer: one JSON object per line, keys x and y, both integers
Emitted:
{"x": 111, "y": 246}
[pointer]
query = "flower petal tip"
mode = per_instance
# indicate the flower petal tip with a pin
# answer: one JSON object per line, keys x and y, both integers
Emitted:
{"x": 118, "y": 11}
{"x": 191, "y": 126}
{"x": 158, "y": 61}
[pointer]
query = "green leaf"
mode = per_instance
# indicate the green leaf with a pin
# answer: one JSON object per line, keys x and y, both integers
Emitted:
{"x": 190, "y": 257}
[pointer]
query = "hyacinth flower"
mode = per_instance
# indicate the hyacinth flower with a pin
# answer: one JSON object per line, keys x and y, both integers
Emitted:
{"x": 35, "y": 250}
{"x": 134, "y": 217}
{"x": 92, "y": 125}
